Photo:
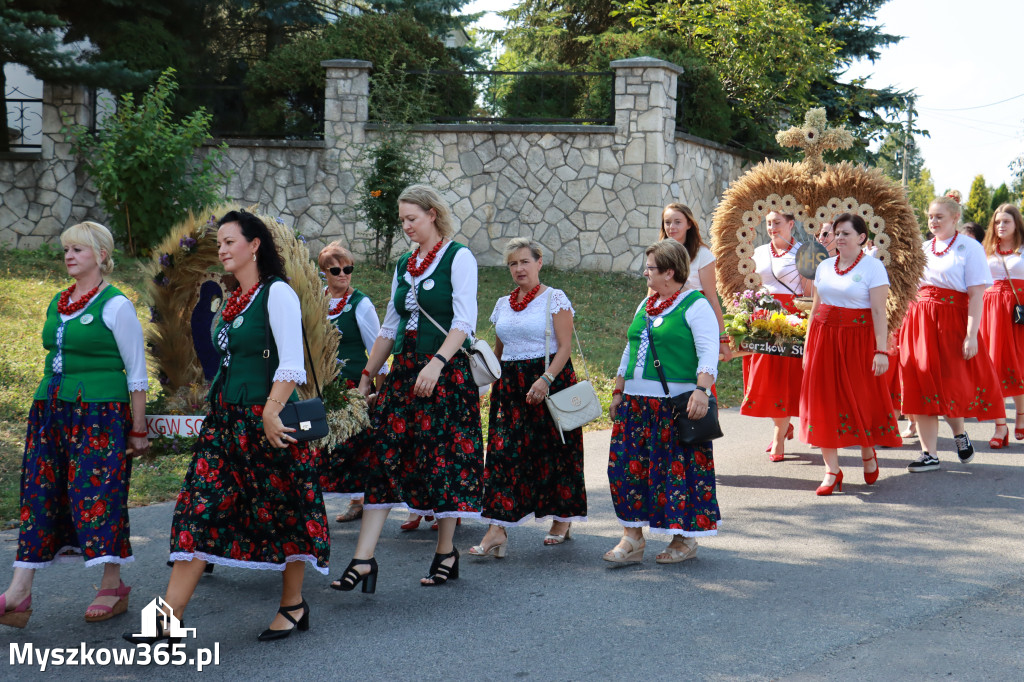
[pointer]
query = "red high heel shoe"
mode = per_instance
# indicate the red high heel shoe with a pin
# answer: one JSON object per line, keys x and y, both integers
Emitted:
{"x": 1018, "y": 426}
{"x": 413, "y": 525}
{"x": 779, "y": 458}
{"x": 837, "y": 483}
{"x": 997, "y": 443}
{"x": 871, "y": 477}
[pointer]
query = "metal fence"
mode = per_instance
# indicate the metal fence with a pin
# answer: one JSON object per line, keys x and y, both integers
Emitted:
{"x": 525, "y": 97}
{"x": 24, "y": 118}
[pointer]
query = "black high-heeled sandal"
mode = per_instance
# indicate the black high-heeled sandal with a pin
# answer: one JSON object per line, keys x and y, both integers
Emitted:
{"x": 302, "y": 623}
{"x": 439, "y": 572}
{"x": 351, "y": 577}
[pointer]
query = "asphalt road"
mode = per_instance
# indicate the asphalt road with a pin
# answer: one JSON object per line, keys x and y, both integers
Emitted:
{"x": 916, "y": 577}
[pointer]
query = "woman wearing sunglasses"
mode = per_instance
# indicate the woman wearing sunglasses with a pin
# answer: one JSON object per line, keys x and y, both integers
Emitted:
{"x": 354, "y": 315}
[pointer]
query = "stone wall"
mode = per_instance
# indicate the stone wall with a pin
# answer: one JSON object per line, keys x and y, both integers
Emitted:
{"x": 592, "y": 195}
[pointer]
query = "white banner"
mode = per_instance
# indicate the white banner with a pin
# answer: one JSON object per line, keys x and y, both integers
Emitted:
{"x": 160, "y": 425}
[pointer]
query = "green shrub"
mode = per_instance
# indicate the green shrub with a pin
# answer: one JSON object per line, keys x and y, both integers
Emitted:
{"x": 145, "y": 165}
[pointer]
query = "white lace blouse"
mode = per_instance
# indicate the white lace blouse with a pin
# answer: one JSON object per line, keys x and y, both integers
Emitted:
{"x": 522, "y": 333}
{"x": 120, "y": 318}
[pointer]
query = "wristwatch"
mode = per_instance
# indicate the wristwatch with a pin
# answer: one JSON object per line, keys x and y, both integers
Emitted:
{"x": 706, "y": 391}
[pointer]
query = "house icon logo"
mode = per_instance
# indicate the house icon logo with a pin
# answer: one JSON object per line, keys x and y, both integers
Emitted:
{"x": 159, "y": 613}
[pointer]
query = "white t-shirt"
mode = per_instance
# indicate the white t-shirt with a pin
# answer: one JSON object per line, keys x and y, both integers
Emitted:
{"x": 964, "y": 265}
{"x": 851, "y": 290}
{"x": 522, "y": 333}
{"x": 1014, "y": 263}
{"x": 778, "y": 273}
{"x": 704, "y": 258}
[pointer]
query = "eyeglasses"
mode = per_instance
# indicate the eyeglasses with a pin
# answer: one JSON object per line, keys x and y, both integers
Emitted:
{"x": 348, "y": 269}
{"x": 650, "y": 267}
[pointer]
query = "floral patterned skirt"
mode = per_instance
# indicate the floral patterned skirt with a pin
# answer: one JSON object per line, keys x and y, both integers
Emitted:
{"x": 344, "y": 467}
{"x": 656, "y": 482}
{"x": 529, "y": 471}
{"x": 427, "y": 453}
{"x": 74, "y": 483}
{"x": 247, "y": 504}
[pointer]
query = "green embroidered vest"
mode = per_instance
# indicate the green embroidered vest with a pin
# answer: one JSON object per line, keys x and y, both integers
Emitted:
{"x": 674, "y": 341}
{"x": 351, "y": 348}
{"x": 436, "y": 300}
{"x": 244, "y": 380}
{"x": 91, "y": 363}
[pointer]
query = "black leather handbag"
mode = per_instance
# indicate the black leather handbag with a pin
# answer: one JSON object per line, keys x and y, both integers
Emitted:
{"x": 1018, "y": 310}
{"x": 307, "y": 417}
{"x": 688, "y": 431}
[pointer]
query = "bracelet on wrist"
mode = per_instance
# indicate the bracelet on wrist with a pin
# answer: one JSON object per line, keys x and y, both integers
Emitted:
{"x": 724, "y": 338}
{"x": 547, "y": 379}
{"x": 881, "y": 352}
{"x": 365, "y": 372}
{"x": 275, "y": 400}
{"x": 443, "y": 359}
{"x": 138, "y": 434}
{"x": 616, "y": 392}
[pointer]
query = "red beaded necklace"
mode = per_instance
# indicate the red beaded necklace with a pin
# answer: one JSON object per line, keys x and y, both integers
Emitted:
{"x": 64, "y": 305}
{"x": 658, "y": 309}
{"x": 776, "y": 254}
{"x": 855, "y": 261}
{"x": 340, "y": 304}
{"x": 513, "y": 298}
{"x": 948, "y": 246}
{"x": 417, "y": 270}
{"x": 237, "y": 302}
{"x": 1004, "y": 253}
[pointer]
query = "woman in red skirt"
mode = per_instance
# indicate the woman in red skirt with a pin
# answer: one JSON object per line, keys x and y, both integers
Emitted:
{"x": 771, "y": 384}
{"x": 844, "y": 398}
{"x": 941, "y": 370}
{"x": 1003, "y": 244}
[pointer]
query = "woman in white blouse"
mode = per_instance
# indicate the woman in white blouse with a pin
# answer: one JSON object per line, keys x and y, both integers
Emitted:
{"x": 426, "y": 424}
{"x": 89, "y": 411}
{"x": 941, "y": 370}
{"x": 251, "y": 496}
{"x": 677, "y": 222}
{"x": 655, "y": 481}
{"x": 844, "y": 399}
{"x": 530, "y": 471}
{"x": 1004, "y": 244}
{"x": 771, "y": 383}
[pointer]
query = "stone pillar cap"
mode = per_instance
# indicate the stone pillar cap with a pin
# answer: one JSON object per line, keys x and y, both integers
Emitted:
{"x": 347, "y": 64}
{"x": 646, "y": 63}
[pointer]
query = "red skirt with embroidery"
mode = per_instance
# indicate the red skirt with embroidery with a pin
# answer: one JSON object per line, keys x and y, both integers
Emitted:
{"x": 935, "y": 377}
{"x": 1005, "y": 340}
{"x": 771, "y": 383}
{"x": 842, "y": 402}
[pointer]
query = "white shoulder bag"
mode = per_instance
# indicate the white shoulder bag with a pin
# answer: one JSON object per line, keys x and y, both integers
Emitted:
{"x": 576, "y": 405}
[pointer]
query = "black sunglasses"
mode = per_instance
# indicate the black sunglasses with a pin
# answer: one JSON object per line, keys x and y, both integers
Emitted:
{"x": 348, "y": 269}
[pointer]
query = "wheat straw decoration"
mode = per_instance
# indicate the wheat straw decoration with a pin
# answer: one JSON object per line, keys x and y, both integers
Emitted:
{"x": 816, "y": 192}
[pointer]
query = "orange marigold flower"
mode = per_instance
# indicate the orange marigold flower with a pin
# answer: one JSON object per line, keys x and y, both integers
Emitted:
{"x": 376, "y": 193}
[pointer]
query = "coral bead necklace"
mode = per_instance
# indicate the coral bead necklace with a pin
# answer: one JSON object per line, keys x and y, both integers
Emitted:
{"x": 517, "y": 305}
{"x": 238, "y": 302}
{"x": 417, "y": 270}
{"x": 855, "y": 261}
{"x": 66, "y": 307}
{"x": 1000, "y": 251}
{"x": 658, "y": 309}
{"x": 948, "y": 246}
{"x": 777, "y": 254}
{"x": 337, "y": 308}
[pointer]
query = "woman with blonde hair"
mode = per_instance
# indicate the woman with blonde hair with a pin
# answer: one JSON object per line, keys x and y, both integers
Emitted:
{"x": 656, "y": 481}
{"x": 532, "y": 471}
{"x": 352, "y": 313}
{"x": 89, "y": 413}
{"x": 428, "y": 444}
{"x": 941, "y": 370}
{"x": 1004, "y": 245}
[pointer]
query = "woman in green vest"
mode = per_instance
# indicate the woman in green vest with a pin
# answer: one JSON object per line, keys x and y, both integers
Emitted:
{"x": 89, "y": 413}
{"x": 251, "y": 496}
{"x": 656, "y": 482}
{"x": 352, "y": 312}
{"x": 426, "y": 424}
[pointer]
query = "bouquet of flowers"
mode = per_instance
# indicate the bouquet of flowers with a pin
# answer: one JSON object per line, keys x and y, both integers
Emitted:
{"x": 757, "y": 316}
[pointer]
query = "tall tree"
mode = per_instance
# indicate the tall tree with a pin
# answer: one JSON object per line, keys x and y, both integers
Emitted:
{"x": 1000, "y": 196}
{"x": 34, "y": 39}
{"x": 889, "y": 157}
{"x": 920, "y": 193}
{"x": 979, "y": 202}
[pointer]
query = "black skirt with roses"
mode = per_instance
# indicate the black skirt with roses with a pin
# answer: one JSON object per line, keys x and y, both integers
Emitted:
{"x": 427, "y": 453}
{"x": 529, "y": 471}
{"x": 246, "y": 503}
